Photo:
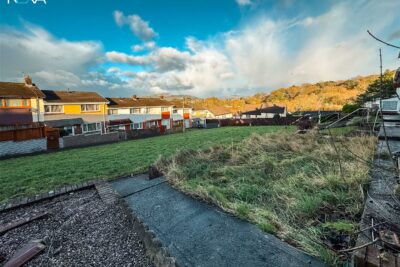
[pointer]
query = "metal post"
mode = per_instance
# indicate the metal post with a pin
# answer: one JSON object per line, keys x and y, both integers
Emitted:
{"x": 183, "y": 115}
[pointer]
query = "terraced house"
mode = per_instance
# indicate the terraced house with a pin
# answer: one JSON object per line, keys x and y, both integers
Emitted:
{"x": 140, "y": 113}
{"x": 75, "y": 113}
{"x": 21, "y": 118}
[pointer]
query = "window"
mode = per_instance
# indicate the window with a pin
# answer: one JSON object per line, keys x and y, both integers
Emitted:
{"x": 92, "y": 127}
{"x": 134, "y": 110}
{"x": 53, "y": 109}
{"x": 175, "y": 111}
{"x": 26, "y": 102}
{"x": 112, "y": 111}
{"x": 137, "y": 125}
{"x": 389, "y": 105}
{"x": 2, "y": 103}
{"x": 146, "y": 110}
{"x": 90, "y": 107}
{"x": 164, "y": 109}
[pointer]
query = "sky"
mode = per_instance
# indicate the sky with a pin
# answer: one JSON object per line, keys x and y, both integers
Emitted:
{"x": 198, "y": 47}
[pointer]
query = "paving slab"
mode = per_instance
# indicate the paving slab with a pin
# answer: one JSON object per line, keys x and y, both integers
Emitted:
{"x": 198, "y": 234}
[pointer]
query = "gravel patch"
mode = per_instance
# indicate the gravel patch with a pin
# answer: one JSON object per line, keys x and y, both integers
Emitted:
{"x": 80, "y": 230}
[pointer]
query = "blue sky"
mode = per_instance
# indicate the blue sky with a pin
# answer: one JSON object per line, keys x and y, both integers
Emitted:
{"x": 199, "y": 47}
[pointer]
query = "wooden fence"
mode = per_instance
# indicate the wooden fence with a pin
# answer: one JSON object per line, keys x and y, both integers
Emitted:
{"x": 23, "y": 134}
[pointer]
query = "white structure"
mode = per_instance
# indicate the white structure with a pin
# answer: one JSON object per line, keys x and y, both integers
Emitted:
{"x": 218, "y": 113}
{"x": 143, "y": 112}
{"x": 265, "y": 113}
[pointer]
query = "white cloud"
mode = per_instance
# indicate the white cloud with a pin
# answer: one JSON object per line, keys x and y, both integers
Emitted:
{"x": 138, "y": 26}
{"x": 55, "y": 63}
{"x": 243, "y": 2}
{"x": 266, "y": 54}
{"x": 146, "y": 46}
{"x": 162, "y": 59}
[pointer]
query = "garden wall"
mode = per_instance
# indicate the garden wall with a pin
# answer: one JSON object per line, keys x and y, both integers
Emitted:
{"x": 9, "y": 148}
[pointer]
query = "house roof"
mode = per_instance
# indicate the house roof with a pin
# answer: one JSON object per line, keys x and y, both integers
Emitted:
{"x": 127, "y": 102}
{"x": 197, "y": 107}
{"x": 120, "y": 121}
{"x": 72, "y": 97}
{"x": 274, "y": 109}
{"x": 64, "y": 122}
{"x": 180, "y": 104}
{"x": 219, "y": 111}
{"x": 19, "y": 90}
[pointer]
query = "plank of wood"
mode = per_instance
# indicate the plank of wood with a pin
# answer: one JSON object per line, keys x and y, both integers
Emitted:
{"x": 25, "y": 254}
{"x": 17, "y": 223}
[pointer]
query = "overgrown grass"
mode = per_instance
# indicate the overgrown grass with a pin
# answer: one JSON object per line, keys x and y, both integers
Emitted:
{"x": 33, "y": 174}
{"x": 287, "y": 184}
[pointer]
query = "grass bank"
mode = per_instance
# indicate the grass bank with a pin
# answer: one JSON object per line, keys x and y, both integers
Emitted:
{"x": 39, "y": 173}
{"x": 289, "y": 185}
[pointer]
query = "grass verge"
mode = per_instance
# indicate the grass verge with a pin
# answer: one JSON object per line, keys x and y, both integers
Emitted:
{"x": 289, "y": 185}
{"x": 30, "y": 175}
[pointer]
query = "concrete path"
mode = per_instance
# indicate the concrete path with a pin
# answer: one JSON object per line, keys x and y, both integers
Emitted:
{"x": 197, "y": 234}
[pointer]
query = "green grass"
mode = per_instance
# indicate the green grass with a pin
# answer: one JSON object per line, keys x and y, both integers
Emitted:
{"x": 287, "y": 184}
{"x": 339, "y": 130}
{"x": 40, "y": 173}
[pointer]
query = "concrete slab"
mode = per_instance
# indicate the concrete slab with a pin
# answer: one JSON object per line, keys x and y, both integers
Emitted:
{"x": 131, "y": 185}
{"x": 198, "y": 234}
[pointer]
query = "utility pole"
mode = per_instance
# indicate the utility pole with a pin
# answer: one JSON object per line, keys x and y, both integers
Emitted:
{"x": 183, "y": 114}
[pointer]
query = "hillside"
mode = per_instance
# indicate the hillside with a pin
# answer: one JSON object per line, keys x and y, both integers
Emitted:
{"x": 328, "y": 95}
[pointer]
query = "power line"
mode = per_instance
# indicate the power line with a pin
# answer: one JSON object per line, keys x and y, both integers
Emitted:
{"x": 379, "y": 40}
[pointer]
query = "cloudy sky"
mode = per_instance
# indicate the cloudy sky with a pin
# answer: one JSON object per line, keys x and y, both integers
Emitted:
{"x": 197, "y": 47}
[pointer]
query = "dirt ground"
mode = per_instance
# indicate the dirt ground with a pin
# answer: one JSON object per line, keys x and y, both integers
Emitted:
{"x": 80, "y": 230}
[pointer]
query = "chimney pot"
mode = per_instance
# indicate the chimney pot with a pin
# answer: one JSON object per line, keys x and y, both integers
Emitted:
{"x": 28, "y": 80}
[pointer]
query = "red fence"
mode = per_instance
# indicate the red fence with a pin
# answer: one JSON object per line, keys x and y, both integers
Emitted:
{"x": 23, "y": 134}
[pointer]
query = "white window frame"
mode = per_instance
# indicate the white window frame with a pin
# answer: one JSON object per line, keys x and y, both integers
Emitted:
{"x": 163, "y": 109}
{"x": 86, "y": 130}
{"x": 112, "y": 111}
{"x": 132, "y": 110}
{"x": 84, "y": 107}
{"x": 53, "y": 112}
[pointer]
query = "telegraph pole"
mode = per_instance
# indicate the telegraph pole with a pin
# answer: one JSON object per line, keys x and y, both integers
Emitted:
{"x": 183, "y": 114}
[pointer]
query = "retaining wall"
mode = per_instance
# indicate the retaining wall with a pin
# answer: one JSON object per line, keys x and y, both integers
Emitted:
{"x": 9, "y": 148}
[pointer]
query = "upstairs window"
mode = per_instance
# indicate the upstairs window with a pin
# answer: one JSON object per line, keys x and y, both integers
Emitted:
{"x": 16, "y": 103}
{"x": 90, "y": 107}
{"x": 112, "y": 111}
{"x": 164, "y": 109}
{"x": 134, "y": 110}
{"x": 53, "y": 109}
{"x": 146, "y": 110}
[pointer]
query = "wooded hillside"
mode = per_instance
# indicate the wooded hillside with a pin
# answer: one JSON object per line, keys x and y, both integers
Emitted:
{"x": 329, "y": 95}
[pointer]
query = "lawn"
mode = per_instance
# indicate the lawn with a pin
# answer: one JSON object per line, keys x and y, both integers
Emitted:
{"x": 287, "y": 184}
{"x": 40, "y": 173}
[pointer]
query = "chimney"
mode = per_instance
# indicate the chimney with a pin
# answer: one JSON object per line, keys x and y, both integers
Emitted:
{"x": 134, "y": 97}
{"x": 28, "y": 80}
{"x": 161, "y": 97}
